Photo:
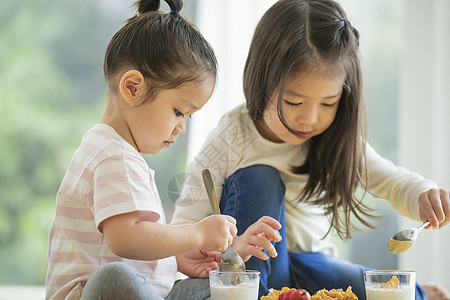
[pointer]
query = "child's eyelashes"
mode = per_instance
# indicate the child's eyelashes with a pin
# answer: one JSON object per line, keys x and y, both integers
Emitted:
{"x": 292, "y": 103}
{"x": 179, "y": 114}
{"x": 329, "y": 104}
{"x": 300, "y": 103}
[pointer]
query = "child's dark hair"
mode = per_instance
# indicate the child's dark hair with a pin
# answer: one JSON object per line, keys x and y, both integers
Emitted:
{"x": 295, "y": 37}
{"x": 166, "y": 48}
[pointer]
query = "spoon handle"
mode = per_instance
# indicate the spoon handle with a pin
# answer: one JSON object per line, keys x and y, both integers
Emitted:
{"x": 425, "y": 224}
{"x": 209, "y": 185}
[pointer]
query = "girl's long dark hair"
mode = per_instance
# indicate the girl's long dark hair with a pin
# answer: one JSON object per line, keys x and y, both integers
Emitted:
{"x": 295, "y": 37}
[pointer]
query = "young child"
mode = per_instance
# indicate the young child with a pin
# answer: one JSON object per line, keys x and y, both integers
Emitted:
{"x": 297, "y": 151}
{"x": 109, "y": 238}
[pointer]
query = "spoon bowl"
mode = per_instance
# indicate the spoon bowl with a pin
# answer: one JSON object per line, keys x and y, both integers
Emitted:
{"x": 402, "y": 241}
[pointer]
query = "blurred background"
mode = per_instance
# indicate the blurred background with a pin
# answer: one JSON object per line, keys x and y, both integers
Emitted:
{"x": 52, "y": 91}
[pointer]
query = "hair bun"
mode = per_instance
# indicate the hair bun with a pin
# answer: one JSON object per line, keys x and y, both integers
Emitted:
{"x": 144, "y": 6}
{"x": 175, "y": 6}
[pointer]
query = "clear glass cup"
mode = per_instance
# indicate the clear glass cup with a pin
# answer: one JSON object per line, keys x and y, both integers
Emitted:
{"x": 382, "y": 285}
{"x": 234, "y": 285}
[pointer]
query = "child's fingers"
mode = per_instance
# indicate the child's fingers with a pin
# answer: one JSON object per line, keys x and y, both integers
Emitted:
{"x": 233, "y": 231}
{"x": 205, "y": 272}
{"x": 260, "y": 242}
{"x": 232, "y": 227}
{"x": 435, "y": 207}
{"x": 230, "y": 219}
{"x": 255, "y": 249}
{"x": 270, "y": 221}
{"x": 270, "y": 233}
{"x": 445, "y": 198}
{"x": 426, "y": 211}
{"x": 431, "y": 217}
{"x": 264, "y": 229}
{"x": 258, "y": 253}
{"x": 436, "y": 204}
{"x": 214, "y": 255}
{"x": 267, "y": 225}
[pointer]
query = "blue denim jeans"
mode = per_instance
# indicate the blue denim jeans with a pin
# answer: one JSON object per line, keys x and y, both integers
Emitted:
{"x": 257, "y": 191}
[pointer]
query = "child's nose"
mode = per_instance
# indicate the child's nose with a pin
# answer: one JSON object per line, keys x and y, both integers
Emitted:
{"x": 180, "y": 128}
{"x": 308, "y": 115}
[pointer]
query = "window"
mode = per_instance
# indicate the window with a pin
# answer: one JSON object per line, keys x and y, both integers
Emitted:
{"x": 52, "y": 91}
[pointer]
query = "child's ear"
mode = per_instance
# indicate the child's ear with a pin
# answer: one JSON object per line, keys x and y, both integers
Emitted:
{"x": 132, "y": 86}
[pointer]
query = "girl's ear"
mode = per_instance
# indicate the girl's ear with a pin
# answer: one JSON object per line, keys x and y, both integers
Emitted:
{"x": 132, "y": 86}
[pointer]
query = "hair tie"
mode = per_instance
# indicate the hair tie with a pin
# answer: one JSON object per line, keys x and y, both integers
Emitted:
{"x": 343, "y": 22}
{"x": 138, "y": 14}
{"x": 175, "y": 12}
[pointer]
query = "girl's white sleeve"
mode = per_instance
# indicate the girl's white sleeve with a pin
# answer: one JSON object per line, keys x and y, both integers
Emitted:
{"x": 193, "y": 203}
{"x": 398, "y": 185}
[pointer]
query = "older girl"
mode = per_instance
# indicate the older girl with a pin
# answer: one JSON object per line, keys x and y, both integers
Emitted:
{"x": 297, "y": 151}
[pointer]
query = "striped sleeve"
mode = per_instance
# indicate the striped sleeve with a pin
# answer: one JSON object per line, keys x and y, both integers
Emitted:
{"x": 122, "y": 186}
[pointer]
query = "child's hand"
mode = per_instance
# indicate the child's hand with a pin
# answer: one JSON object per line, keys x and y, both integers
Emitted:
{"x": 257, "y": 237}
{"x": 198, "y": 263}
{"x": 217, "y": 232}
{"x": 434, "y": 206}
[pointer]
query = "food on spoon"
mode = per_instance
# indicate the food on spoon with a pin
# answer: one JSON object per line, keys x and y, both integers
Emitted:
{"x": 229, "y": 265}
{"x": 323, "y": 294}
{"x": 397, "y": 247}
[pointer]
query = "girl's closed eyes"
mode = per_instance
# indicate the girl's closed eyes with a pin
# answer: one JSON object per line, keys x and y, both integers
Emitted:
{"x": 330, "y": 104}
{"x": 299, "y": 103}
{"x": 292, "y": 103}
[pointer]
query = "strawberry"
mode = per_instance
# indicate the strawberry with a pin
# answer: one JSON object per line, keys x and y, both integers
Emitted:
{"x": 299, "y": 294}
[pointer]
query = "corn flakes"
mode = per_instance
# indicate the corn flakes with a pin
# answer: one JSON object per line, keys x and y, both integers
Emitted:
{"x": 333, "y": 294}
{"x": 394, "y": 283}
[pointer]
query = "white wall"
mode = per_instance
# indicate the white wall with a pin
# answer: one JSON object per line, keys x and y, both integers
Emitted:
{"x": 424, "y": 136}
{"x": 228, "y": 26}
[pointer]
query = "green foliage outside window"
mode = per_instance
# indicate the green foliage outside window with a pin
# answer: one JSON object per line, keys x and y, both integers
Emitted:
{"x": 51, "y": 92}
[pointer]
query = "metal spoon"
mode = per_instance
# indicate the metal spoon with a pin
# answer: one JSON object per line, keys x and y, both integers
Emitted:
{"x": 404, "y": 239}
{"x": 231, "y": 261}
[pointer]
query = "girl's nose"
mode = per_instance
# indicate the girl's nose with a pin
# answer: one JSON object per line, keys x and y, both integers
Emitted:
{"x": 307, "y": 115}
{"x": 180, "y": 128}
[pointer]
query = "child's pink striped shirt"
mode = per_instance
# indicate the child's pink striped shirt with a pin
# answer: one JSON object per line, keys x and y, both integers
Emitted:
{"x": 106, "y": 177}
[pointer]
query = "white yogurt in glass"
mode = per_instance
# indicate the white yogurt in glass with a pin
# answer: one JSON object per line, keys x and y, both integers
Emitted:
{"x": 234, "y": 285}
{"x": 390, "y": 284}
{"x": 401, "y": 293}
{"x": 228, "y": 292}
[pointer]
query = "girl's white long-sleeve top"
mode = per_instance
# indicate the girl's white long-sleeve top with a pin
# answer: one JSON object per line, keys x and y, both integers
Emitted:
{"x": 236, "y": 143}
